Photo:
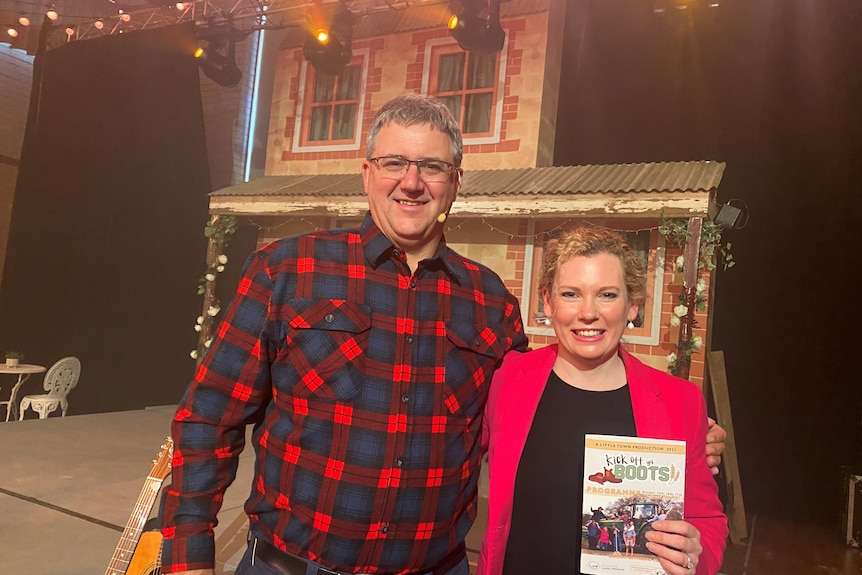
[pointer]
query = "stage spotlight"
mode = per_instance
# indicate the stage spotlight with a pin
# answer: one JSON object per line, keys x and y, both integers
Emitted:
{"x": 23, "y": 20}
{"x": 217, "y": 62}
{"x": 51, "y": 13}
{"x": 477, "y": 33}
{"x": 12, "y": 32}
{"x": 99, "y": 24}
{"x": 217, "y": 54}
{"x": 330, "y": 48}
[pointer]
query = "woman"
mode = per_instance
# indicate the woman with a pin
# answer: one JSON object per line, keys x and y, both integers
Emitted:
{"x": 630, "y": 535}
{"x": 604, "y": 539}
{"x": 542, "y": 403}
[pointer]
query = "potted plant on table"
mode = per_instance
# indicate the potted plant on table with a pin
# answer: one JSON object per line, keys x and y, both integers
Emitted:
{"x": 13, "y": 358}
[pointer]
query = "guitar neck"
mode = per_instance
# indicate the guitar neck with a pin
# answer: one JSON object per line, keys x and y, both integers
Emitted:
{"x": 129, "y": 539}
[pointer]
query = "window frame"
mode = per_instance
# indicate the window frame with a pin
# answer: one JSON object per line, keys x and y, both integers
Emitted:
{"x": 433, "y": 49}
{"x": 307, "y": 74}
{"x": 649, "y": 333}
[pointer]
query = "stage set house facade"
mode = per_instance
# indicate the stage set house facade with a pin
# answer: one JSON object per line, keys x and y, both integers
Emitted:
{"x": 513, "y": 199}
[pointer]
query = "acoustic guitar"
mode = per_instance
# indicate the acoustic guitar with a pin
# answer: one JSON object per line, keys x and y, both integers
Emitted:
{"x": 136, "y": 554}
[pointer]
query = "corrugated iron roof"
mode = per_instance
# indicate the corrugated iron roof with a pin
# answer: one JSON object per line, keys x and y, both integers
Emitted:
{"x": 664, "y": 177}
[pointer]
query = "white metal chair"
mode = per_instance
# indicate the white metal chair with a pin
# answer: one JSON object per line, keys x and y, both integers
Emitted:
{"x": 59, "y": 381}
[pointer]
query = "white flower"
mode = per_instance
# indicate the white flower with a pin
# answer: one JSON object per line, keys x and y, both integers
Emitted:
{"x": 197, "y": 327}
{"x": 222, "y": 259}
{"x": 193, "y": 354}
{"x": 674, "y": 321}
{"x": 696, "y": 342}
{"x": 208, "y": 342}
{"x": 219, "y": 269}
{"x": 210, "y": 277}
{"x": 680, "y": 310}
{"x": 200, "y": 320}
{"x": 700, "y": 287}
{"x": 671, "y": 358}
{"x": 680, "y": 263}
{"x": 213, "y": 311}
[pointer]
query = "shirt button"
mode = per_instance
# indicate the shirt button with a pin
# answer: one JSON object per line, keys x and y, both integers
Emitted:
{"x": 405, "y": 398}
{"x": 399, "y": 462}
{"x": 396, "y": 252}
{"x": 412, "y": 284}
{"x": 329, "y": 318}
{"x": 384, "y": 529}
{"x": 409, "y": 339}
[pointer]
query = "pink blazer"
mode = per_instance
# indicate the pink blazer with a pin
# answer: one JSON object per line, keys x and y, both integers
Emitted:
{"x": 664, "y": 407}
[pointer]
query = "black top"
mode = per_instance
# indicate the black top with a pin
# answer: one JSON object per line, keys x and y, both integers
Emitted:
{"x": 545, "y": 536}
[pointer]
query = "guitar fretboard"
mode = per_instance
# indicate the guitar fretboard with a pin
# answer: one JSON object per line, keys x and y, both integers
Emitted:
{"x": 132, "y": 533}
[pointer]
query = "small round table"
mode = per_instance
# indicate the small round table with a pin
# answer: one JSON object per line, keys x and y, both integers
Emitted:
{"x": 24, "y": 371}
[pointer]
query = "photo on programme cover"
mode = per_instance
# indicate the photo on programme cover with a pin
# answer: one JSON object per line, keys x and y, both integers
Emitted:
{"x": 629, "y": 482}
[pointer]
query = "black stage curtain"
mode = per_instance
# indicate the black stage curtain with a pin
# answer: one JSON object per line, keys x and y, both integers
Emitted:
{"x": 742, "y": 84}
{"x": 106, "y": 243}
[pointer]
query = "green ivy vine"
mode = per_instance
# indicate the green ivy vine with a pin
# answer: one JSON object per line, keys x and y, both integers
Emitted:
{"x": 712, "y": 250}
{"x": 219, "y": 231}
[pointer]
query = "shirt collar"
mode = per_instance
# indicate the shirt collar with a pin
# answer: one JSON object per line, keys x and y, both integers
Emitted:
{"x": 379, "y": 248}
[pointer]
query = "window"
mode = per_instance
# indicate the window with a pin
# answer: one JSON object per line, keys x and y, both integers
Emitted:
{"x": 329, "y": 116}
{"x": 468, "y": 84}
{"x": 333, "y": 105}
{"x": 649, "y": 243}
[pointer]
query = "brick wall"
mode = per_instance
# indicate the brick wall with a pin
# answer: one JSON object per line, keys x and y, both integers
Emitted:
{"x": 16, "y": 76}
{"x": 656, "y": 355}
{"x": 501, "y": 244}
{"x": 397, "y": 64}
{"x": 226, "y": 117}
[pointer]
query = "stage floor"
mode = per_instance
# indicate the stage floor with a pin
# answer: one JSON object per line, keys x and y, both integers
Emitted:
{"x": 68, "y": 487}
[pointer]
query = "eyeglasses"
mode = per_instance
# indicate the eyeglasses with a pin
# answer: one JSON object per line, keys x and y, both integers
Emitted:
{"x": 395, "y": 167}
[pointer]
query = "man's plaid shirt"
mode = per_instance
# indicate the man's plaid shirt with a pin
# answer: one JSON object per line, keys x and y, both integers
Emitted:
{"x": 366, "y": 386}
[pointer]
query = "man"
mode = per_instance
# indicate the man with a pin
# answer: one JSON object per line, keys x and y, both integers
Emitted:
{"x": 362, "y": 357}
{"x": 598, "y": 514}
{"x": 593, "y": 531}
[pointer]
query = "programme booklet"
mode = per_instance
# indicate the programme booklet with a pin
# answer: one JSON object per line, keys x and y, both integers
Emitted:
{"x": 628, "y": 483}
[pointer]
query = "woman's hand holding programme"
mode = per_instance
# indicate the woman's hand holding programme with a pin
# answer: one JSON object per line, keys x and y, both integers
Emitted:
{"x": 677, "y": 546}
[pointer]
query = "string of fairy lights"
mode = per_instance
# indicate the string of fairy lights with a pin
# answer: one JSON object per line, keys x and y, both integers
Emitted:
{"x": 115, "y": 20}
{"x": 457, "y": 227}
{"x": 77, "y": 26}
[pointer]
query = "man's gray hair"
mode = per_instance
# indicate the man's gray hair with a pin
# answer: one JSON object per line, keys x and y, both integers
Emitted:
{"x": 413, "y": 110}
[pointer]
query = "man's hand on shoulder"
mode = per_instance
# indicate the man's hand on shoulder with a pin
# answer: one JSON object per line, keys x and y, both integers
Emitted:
{"x": 715, "y": 436}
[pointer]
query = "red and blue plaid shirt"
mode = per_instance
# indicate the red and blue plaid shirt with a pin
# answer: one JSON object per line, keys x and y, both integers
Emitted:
{"x": 366, "y": 385}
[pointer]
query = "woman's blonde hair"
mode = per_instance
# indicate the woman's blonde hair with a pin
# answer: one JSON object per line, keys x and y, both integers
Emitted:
{"x": 589, "y": 241}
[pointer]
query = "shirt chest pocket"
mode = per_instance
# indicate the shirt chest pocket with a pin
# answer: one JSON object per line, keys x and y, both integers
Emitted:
{"x": 326, "y": 347}
{"x": 473, "y": 355}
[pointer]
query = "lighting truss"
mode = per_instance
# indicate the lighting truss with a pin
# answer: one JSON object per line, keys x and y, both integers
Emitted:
{"x": 248, "y": 14}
